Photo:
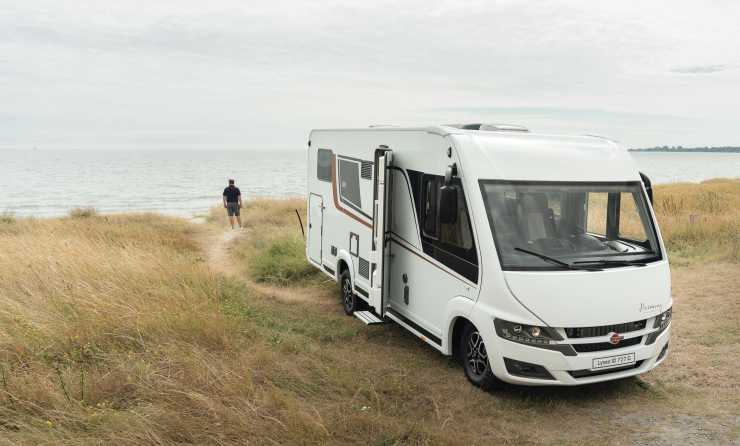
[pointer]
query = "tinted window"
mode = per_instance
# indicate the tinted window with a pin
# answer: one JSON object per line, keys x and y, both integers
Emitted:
{"x": 349, "y": 182}
{"x": 323, "y": 165}
{"x": 450, "y": 243}
{"x": 455, "y": 235}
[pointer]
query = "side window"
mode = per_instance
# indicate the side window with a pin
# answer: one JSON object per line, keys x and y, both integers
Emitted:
{"x": 450, "y": 243}
{"x": 630, "y": 223}
{"x": 596, "y": 213}
{"x": 458, "y": 234}
{"x": 323, "y": 164}
{"x": 349, "y": 182}
{"x": 430, "y": 206}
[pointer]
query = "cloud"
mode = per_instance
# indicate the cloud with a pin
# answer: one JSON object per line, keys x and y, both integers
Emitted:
{"x": 232, "y": 74}
{"x": 701, "y": 69}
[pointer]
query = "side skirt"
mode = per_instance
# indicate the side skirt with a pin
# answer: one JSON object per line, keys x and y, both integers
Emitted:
{"x": 324, "y": 269}
{"x": 414, "y": 328}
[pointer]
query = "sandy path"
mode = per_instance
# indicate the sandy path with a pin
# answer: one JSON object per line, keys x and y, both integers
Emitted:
{"x": 217, "y": 246}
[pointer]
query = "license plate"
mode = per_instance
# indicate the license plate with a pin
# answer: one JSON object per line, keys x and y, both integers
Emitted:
{"x": 613, "y": 361}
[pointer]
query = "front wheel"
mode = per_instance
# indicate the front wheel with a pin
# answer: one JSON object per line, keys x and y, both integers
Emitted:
{"x": 475, "y": 359}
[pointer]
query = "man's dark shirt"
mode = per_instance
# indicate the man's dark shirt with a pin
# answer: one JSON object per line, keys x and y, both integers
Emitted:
{"x": 232, "y": 194}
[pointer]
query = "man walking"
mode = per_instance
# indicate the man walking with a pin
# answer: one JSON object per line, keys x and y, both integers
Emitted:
{"x": 233, "y": 203}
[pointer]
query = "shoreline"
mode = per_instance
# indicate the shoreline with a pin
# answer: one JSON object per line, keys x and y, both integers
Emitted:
{"x": 200, "y": 214}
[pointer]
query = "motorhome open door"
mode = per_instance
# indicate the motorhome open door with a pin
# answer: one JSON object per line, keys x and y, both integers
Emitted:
{"x": 380, "y": 254}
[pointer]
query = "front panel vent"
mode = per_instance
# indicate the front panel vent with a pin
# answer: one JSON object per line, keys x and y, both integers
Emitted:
{"x": 363, "y": 268}
{"x": 366, "y": 171}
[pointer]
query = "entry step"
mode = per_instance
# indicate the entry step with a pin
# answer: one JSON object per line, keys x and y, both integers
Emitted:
{"x": 368, "y": 317}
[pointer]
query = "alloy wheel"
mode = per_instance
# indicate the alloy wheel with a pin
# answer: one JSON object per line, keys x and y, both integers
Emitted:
{"x": 347, "y": 295}
{"x": 476, "y": 355}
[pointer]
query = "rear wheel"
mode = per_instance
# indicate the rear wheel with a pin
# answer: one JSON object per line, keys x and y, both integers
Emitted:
{"x": 347, "y": 294}
{"x": 475, "y": 359}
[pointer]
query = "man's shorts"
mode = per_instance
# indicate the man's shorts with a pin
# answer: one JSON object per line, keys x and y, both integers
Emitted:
{"x": 232, "y": 209}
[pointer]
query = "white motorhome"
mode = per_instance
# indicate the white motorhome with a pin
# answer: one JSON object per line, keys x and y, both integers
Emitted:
{"x": 533, "y": 259}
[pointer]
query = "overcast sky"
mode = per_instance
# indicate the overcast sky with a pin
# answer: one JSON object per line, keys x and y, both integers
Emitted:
{"x": 161, "y": 74}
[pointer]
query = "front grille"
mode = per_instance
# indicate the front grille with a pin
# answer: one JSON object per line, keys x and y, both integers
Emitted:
{"x": 586, "y": 372}
{"x": 590, "y": 332}
{"x": 599, "y": 346}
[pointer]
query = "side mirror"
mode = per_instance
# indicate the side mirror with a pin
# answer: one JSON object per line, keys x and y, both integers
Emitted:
{"x": 448, "y": 205}
{"x": 648, "y": 186}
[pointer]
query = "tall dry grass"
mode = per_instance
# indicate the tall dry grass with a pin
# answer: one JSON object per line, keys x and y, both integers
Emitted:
{"x": 114, "y": 330}
{"x": 700, "y": 222}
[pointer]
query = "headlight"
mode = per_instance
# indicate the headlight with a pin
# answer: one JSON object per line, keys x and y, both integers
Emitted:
{"x": 536, "y": 336}
{"x": 661, "y": 323}
{"x": 663, "y": 319}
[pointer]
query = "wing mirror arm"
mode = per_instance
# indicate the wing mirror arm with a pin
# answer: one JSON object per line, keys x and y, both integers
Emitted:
{"x": 450, "y": 173}
{"x": 648, "y": 186}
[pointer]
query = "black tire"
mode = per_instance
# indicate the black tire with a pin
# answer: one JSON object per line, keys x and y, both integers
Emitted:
{"x": 347, "y": 294}
{"x": 474, "y": 357}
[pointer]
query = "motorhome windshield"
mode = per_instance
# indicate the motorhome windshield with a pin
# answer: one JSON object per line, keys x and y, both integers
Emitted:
{"x": 554, "y": 225}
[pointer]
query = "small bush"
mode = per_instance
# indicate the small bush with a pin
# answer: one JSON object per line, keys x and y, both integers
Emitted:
{"x": 85, "y": 212}
{"x": 282, "y": 262}
{"x": 7, "y": 218}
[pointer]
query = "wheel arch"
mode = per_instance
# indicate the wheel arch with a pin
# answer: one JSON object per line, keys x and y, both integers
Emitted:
{"x": 457, "y": 327}
{"x": 344, "y": 262}
{"x": 458, "y": 313}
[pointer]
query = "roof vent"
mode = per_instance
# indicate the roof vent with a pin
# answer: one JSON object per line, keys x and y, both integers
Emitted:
{"x": 491, "y": 127}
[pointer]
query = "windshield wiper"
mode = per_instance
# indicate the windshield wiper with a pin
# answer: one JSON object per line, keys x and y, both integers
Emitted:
{"x": 556, "y": 261}
{"x": 614, "y": 262}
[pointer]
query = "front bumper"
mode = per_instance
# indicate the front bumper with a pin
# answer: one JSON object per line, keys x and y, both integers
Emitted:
{"x": 574, "y": 370}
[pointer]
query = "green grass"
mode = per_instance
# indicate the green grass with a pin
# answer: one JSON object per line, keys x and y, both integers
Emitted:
{"x": 282, "y": 261}
{"x": 280, "y": 322}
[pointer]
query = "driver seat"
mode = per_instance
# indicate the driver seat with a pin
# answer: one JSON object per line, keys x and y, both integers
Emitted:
{"x": 536, "y": 217}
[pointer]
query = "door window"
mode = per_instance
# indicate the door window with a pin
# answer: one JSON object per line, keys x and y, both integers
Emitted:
{"x": 451, "y": 244}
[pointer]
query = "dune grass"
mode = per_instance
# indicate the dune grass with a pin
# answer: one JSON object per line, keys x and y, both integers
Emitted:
{"x": 700, "y": 222}
{"x": 115, "y": 330}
